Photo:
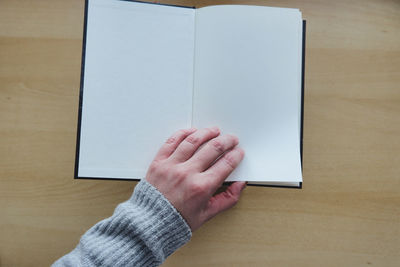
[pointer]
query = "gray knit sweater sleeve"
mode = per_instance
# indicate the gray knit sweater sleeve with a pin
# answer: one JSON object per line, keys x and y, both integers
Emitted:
{"x": 143, "y": 231}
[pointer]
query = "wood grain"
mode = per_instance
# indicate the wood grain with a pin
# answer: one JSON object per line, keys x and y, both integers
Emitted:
{"x": 347, "y": 214}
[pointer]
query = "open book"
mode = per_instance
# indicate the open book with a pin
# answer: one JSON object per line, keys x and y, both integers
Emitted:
{"x": 150, "y": 69}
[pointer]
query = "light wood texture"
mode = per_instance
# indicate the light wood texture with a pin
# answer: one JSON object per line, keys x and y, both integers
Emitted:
{"x": 347, "y": 214}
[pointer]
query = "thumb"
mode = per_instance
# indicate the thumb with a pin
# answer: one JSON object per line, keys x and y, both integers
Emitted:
{"x": 225, "y": 200}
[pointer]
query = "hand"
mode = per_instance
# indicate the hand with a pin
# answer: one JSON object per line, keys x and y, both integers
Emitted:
{"x": 189, "y": 177}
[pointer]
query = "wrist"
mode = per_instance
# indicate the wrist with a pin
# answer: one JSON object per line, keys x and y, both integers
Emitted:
{"x": 165, "y": 229}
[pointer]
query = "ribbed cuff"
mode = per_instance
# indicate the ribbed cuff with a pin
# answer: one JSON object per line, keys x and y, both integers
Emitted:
{"x": 143, "y": 231}
{"x": 166, "y": 229}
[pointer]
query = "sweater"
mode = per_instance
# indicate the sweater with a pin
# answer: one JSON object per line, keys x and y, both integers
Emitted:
{"x": 143, "y": 231}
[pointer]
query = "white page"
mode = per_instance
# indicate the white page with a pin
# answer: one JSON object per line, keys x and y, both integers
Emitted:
{"x": 247, "y": 81}
{"x": 137, "y": 85}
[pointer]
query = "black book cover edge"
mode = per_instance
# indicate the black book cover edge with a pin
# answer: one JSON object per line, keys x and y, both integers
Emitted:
{"x": 78, "y": 137}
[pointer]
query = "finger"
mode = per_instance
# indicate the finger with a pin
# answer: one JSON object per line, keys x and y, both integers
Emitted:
{"x": 172, "y": 143}
{"x": 224, "y": 166}
{"x": 212, "y": 151}
{"x": 225, "y": 200}
{"x": 191, "y": 143}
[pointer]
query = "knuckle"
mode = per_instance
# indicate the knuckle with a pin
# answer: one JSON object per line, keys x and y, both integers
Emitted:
{"x": 161, "y": 171}
{"x": 229, "y": 161}
{"x": 213, "y": 131}
{"x": 154, "y": 166}
{"x": 233, "y": 139}
{"x": 171, "y": 140}
{"x": 182, "y": 132}
{"x": 180, "y": 173}
{"x": 217, "y": 145}
{"x": 233, "y": 197}
{"x": 158, "y": 170}
{"x": 197, "y": 188}
{"x": 193, "y": 139}
{"x": 212, "y": 174}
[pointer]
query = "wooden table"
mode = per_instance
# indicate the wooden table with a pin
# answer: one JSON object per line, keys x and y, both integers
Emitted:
{"x": 347, "y": 214}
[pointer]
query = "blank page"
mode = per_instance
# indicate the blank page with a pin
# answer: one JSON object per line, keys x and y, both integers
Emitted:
{"x": 247, "y": 81}
{"x": 137, "y": 85}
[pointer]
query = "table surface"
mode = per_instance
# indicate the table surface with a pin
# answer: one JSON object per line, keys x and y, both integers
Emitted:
{"x": 347, "y": 214}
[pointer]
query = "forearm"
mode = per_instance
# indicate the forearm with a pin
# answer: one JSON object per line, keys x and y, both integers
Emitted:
{"x": 143, "y": 231}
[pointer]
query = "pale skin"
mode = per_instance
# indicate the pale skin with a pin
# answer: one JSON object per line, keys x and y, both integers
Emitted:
{"x": 189, "y": 168}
